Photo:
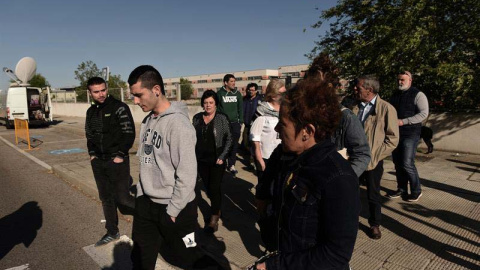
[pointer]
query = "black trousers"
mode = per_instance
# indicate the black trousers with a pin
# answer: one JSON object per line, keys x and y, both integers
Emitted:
{"x": 232, "y": 156}
{"x": 212, "y": 176}
{"x": 113, "y": 182}
{"x": 372, "y": 179}
{"x": 153, "y": 230}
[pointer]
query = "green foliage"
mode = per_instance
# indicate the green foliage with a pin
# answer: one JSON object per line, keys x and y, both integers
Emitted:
{"x": 85, "y": 71}
{"x": 115, "y": 84}
{"x": 38, "y": 81}
{"x": 437, "y": 40}
{"x": 89, "y": 69}
{"x": 186, "y": 88}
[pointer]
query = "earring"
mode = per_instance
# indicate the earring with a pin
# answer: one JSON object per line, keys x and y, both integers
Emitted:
{"x": 304, "y": 138}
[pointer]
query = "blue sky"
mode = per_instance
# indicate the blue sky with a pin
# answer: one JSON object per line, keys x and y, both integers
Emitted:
{"x": 179, "y": 37}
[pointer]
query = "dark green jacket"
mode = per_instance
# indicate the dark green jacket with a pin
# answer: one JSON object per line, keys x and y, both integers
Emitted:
{"x": 231, "y": 104}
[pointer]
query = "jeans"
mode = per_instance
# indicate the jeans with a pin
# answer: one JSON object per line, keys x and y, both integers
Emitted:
{"x": 404, "y": 160}
{"x": 154, "y": 231}
{"x": 113, "y": 182}
{"x": 372, "y": 178}
{"x": 236, "y": 129}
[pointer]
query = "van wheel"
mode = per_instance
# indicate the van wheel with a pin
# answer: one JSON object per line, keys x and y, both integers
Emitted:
{"x": 8, "y": 124}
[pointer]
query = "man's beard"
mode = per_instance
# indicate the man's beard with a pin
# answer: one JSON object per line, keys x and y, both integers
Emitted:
{"x": 403, "y": 88}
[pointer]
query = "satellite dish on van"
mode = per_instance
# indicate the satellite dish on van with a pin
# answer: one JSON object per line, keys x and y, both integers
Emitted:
{"x": 25, "y": 70}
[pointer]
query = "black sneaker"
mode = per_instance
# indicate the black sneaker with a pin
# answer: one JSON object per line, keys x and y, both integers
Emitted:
{"x": 414, "y": 197}
{"x": 107, "y": 238}
{"x": 396, "y": 194}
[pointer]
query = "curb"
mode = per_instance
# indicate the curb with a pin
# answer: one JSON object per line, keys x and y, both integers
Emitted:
{"x": 34, "y": 159}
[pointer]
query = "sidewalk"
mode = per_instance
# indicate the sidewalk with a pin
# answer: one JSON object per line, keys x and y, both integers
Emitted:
{"x": 440, "y": 231}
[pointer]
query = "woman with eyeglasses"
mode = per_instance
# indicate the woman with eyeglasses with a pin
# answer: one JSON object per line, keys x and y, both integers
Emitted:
{"x": 214, "y": 141}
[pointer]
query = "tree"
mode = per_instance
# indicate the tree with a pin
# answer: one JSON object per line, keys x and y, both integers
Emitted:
{"x": 38, "y": 81}
{"x": 89, "y": 69}
{"x": 437, "y": 40}
{"x": 186, "y": 88}
{"x": 85, "y": 71}
{"x": 115, "y": 85}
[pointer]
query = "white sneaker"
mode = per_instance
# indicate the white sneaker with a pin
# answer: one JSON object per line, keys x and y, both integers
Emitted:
{"x": 233, "y": 170}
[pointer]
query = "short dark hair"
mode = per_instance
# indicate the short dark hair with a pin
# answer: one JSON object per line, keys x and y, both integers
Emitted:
{"x": 252, "y": 84}
{"x": 148, "y": 76}
{"x": 209, "y": 93}
{"x": 95, "y": 81}
{"x": 227, "y": 77}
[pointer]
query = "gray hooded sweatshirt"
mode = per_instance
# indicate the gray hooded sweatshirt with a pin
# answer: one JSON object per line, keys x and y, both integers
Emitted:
{"x": 168, "y": 166}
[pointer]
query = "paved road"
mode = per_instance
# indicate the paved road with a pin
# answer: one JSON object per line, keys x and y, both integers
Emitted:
{"x": 44, "y": 222}
{"x": 441, "y": 231}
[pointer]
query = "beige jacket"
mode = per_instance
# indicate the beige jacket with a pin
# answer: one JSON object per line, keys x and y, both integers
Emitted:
{"x": 381, "y": 128}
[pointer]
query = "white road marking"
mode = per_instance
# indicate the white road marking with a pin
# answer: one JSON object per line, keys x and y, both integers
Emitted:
{"x": 34, "y": 159}
{"x": 21, "y": 267}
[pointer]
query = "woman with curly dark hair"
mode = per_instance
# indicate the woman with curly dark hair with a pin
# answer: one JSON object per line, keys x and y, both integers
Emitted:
{"x": 214, "y": 141}
{"x": 313, "y": 190}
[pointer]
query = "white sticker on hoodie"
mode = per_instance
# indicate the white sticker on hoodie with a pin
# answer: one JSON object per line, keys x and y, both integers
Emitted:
{"x": 189, "y": 240}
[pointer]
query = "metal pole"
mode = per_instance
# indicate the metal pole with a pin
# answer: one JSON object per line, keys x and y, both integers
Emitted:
{"x": 88, "y": 98}
{"x": 121, "y": 94}
{"x": 179, "y": 92}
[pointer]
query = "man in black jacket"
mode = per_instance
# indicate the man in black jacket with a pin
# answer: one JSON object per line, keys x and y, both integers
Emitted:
{"x": 110, "y": 132}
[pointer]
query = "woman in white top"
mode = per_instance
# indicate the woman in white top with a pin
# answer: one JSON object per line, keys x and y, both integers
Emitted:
{"x": 262, "y": 133}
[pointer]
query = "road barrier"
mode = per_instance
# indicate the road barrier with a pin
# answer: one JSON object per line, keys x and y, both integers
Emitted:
{"x": 22, "y": 133}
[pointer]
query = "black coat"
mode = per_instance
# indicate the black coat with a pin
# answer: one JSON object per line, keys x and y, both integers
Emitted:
{"x": 316, "y": 204}
{"x": 110, "y": 129}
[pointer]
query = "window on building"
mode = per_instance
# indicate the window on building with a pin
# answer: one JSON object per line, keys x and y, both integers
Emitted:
{"x": 217, "y": 80}
{"x": 202, "y": 81}
{"x": 239, "y": 79}
{"x": 253, "y": 78}
{"x": 272, "y": 77}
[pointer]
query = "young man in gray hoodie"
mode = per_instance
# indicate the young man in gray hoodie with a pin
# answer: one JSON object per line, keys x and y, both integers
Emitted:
{"x": 166, "y": 209}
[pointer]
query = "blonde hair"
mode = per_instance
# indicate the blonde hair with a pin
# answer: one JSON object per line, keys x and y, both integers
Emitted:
{"x": 272, "y": 89}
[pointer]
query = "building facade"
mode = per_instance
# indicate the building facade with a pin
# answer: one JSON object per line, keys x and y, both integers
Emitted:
{"x": 214, "y": 81}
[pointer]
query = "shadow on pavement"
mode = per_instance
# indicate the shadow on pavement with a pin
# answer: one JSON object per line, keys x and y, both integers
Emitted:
{"x": 20, "y": 227}
{"x": 457, "y": 191}
{"x": 121, "y": 257}
{"x": 239, "y": 212}
{"x": 442, "y": 250}
{"x": 464, "y": 162}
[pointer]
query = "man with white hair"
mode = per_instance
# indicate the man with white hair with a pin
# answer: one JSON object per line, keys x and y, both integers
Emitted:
{"x": 412, "y": 108}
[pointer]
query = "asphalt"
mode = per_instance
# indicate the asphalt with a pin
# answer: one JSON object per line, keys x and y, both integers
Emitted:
{"x": 440, "y": 231}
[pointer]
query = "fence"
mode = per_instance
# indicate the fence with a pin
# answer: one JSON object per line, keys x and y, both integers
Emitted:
{"x": 22, "y": 133}
{"x": 82, "y": 96}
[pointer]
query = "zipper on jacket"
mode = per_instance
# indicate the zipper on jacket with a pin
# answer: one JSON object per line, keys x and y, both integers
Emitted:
{"x": 101, "y": 132}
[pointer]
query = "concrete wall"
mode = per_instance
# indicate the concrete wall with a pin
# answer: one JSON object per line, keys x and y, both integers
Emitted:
{"x": 455, "y": 132}
{"x": 452, "y": 132}
{"x": 80, "y": 109}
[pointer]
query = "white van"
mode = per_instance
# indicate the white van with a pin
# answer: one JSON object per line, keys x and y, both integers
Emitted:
{"x": 23, "y": 101}
{"x": 28, "y": 103}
